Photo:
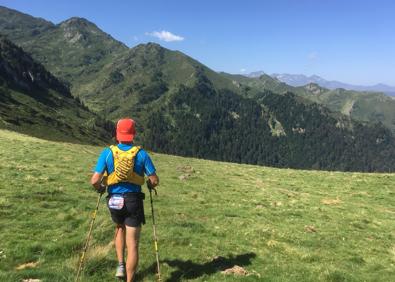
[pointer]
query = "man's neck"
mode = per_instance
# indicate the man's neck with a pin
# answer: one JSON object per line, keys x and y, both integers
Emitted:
{"x": 126, "y": 143}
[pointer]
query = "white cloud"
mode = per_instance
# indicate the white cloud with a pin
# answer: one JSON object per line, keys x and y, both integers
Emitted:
{"x": 165, "y": 36}
{"x": 312, "y": 56}
{"x": 243, "y": 70}
{"x": 135, "y": 38}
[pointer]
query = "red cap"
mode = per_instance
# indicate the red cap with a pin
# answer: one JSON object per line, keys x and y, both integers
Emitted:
{"x": 126, "y": 130}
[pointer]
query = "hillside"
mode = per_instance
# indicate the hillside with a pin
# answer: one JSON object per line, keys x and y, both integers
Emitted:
{"x": 362, "y": 106}
{"x": 278, "y": 224}
{"x": 141, "y": 75}
{"x": 35, "y": 102}
{"x": 182, "y": 107}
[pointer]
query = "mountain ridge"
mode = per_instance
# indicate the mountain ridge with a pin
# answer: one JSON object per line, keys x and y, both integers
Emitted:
{"x": 75, "y": 44}
{"x": 297, "y": 80}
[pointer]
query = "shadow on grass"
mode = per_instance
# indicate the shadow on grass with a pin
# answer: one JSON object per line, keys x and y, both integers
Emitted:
{"x": 191, "y": 270}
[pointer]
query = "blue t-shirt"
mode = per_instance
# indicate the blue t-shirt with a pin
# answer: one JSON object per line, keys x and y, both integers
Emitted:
{"x": 142, "y": 165}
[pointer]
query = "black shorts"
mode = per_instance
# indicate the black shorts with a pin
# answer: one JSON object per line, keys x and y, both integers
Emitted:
{"x": 132, "y": 212}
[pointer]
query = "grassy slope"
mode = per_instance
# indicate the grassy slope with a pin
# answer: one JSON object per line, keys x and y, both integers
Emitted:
{"x": 67, "y": 122}
{"x": 255, "y": 217}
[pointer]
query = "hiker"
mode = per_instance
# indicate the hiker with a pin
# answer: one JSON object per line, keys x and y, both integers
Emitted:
{"x": 125, "y": 164}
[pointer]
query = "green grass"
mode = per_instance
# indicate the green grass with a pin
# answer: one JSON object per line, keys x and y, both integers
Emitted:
{"x": 279, "y": 224}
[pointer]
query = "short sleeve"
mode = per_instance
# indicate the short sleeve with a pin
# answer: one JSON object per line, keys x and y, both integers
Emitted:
{"x": 149, "y": 167}
{"x": 101, "y": 164}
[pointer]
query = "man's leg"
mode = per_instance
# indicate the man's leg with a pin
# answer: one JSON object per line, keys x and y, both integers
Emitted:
{"x": 132, "y": 243}
{"x": 120, "y": 250}
{"x": 120, "y": 242}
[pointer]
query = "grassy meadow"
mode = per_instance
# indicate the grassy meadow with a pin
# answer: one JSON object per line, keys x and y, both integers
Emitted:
{"x": 278, "y": 224}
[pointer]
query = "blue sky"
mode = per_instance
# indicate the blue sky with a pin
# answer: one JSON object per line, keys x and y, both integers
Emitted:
{"x": 346, "y": 40}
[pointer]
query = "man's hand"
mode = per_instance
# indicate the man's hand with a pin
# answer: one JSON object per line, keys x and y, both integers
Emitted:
{"x": 101, "y": 189}
{"x": 97, "y": 183}
{"x": 149, "y": 185}
{"x": 152, "y": 181}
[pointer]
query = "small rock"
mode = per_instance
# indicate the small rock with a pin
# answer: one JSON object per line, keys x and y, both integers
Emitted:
{"x": 27, "y": 265}
{"x": 184, "y": 176}
{"x": 187, "y": 169}
{"x": 271, "y": 243}
{"x": 277, "y": 204}
{"x": 237, "y": 270}
{"x": 331, "y": 201}
{"x": 310, "y": 228}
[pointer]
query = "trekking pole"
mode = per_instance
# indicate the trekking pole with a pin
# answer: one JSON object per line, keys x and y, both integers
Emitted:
{"x": 88, "y": 239}
{"x": 154, "y": 228}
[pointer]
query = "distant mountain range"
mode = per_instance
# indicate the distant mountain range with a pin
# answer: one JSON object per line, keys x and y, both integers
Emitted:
{"x": 301, "y": 80}
{"x": 183, "y": 107}
{"x": 297, "y": 80}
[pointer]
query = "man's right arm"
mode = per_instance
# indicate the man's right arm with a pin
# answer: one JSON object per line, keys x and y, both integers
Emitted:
{"x": 97, "y": 176}
{"x": 96, "y": 180}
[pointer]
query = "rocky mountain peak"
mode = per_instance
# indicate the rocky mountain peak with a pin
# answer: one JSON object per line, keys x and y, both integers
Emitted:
{"x": 77, "y": 22}
{"x": 314, "y": 88}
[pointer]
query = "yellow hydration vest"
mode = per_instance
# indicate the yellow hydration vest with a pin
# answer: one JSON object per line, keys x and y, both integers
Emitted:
{"x": 123, "y": 166}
